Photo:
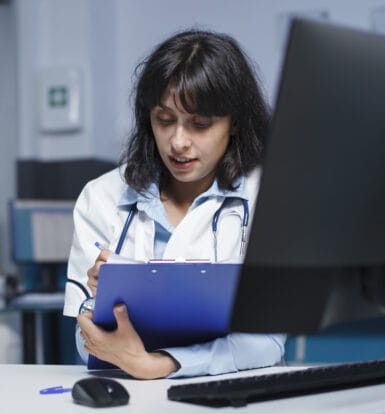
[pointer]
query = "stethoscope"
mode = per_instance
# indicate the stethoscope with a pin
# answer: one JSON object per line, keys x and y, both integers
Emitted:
{"x": 214, "y": 226}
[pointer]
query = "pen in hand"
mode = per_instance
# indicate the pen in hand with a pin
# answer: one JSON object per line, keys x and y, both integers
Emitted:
{"x": 100, "y": 246}
{"x": 93, "y": 272}
{"x": 105, "y": 252}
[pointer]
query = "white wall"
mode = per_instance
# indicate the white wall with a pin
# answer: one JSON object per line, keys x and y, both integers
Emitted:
{"x": 105, "y": 39}
{"x": 57, "y": 33}
{"x": 254, "y": 23}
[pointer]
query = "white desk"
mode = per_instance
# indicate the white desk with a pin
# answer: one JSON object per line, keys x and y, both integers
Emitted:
{"x": 20, "y": 385}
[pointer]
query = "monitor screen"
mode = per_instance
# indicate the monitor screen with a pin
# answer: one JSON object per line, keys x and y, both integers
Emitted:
{"x": 316, "y": 251}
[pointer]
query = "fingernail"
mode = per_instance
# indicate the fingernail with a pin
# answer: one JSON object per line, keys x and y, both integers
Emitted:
{"x": 121, "y": 307}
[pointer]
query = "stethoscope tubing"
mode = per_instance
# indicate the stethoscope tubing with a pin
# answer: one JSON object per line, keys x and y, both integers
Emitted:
{"x": 214, "y": 226}
{"x": 245, "y": 222}
{"x": 126, "y": 226}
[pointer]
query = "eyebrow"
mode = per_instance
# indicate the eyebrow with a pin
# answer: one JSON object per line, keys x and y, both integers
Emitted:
{"x": 165, "y": 107}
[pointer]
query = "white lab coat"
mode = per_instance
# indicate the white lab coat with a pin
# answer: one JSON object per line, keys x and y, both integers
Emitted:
{"x": 97, "y": 217}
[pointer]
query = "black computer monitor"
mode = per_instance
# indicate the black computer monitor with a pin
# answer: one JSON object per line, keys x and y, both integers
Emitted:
{"x": 316, "y": 252}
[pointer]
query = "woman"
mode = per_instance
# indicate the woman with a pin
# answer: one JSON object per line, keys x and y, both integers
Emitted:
{"x": 196, "y": 145}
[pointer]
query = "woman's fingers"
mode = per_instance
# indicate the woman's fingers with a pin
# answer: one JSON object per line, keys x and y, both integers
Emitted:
{"x": 103, "y": 255}
{"x": 93, "y": 272}
{"x": 93, "y": 277}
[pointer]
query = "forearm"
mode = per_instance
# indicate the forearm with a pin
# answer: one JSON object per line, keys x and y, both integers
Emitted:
{"x": 151, "y": 365}
{"x": 228, "y": 354}
{"x": 154, "y": 365}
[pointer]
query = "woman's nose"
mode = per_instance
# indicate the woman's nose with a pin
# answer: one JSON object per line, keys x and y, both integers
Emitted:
{"x": 180, "y": 140}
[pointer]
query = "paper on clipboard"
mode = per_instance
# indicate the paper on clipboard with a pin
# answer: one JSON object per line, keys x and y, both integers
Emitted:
{"x": 119, "y": 259}
{"x": 114, "y": 258}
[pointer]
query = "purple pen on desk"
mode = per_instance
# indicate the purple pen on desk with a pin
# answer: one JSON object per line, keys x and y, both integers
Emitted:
{"x": 59, "y": 389}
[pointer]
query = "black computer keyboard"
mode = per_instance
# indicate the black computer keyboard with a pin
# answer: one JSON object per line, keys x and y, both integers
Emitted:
{"x": 242, "y": 390}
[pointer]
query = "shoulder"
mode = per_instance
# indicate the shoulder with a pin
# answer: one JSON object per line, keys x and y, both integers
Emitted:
{"x": 107, "y": 187}
{"x": 252, "y": 181}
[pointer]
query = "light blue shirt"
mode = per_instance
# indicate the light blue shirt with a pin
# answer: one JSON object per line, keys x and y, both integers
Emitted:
{"x": 233, "y": 352}
{"x": 154, "y": 208}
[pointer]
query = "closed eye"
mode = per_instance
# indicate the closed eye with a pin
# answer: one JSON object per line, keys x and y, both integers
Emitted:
{"x": 199, "y": 125}
{"x": 202, "y": 123}
{"x": 165, "y": 121}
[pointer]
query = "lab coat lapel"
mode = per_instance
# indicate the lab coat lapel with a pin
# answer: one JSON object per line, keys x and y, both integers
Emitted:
{"x": 144, "y": 236}
{"x": 139, "y": 241}
{"x": 192, "y": 238}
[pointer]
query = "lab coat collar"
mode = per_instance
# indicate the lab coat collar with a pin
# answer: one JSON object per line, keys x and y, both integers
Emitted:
{"x": 130, "y": 196}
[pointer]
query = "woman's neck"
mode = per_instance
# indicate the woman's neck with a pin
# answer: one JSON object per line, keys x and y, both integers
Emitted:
{"x": 177, "y": 197}
{"x": 185, "y": 193}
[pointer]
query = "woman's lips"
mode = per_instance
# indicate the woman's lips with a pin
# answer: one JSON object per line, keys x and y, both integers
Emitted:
{"x": 182, "y": 163}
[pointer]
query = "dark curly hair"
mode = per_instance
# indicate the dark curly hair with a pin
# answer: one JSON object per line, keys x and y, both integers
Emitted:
{"x": 212, "y": 76}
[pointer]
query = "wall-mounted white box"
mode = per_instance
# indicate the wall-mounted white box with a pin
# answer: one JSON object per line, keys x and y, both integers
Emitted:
{"x": 60, "y": 99}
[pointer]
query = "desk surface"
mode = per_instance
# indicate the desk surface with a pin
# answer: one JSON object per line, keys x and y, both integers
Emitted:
{"x": 20, "y": 385}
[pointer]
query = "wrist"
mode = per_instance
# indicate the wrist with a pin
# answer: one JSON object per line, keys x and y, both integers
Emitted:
{"x": 165, "y": 363}
{"x": 152, "y": 365}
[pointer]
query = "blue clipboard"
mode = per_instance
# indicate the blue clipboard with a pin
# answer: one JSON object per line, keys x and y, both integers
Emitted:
{"x": 169, "y": 304}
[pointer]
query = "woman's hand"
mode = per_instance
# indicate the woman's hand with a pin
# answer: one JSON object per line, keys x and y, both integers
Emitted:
{"x": 93, "y": 272}
{"x": 124, "y": 348}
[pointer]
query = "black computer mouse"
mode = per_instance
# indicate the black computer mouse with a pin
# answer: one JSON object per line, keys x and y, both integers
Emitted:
{"x": 99, "y": 392}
